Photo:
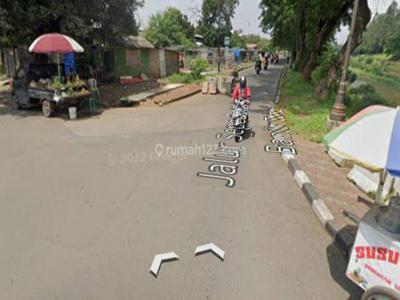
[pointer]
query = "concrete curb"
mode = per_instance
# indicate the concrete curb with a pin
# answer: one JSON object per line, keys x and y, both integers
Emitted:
{"x": 321, "y": 210}
{"x": 341, "y": 237}
{"x": 189, "y": 94}
{"x": 240, "y": 69}
{"x": 143, "y": 96}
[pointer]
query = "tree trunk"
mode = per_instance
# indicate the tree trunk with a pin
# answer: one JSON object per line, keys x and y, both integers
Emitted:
{"x": 300, "y": 34}
{"x": 327, "y": 27}
{"x": 363, "y": 18}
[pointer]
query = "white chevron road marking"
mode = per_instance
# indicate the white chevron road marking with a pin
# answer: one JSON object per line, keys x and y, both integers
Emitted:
{"x": 158, "y": 259}
{"x": 210, "y": 247}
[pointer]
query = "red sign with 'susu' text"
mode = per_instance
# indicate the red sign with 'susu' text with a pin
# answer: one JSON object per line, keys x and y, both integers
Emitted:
{"x": 375, "y": 260}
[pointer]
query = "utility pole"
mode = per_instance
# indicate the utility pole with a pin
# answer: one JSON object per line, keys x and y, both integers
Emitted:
{"x": 338, "y": 113}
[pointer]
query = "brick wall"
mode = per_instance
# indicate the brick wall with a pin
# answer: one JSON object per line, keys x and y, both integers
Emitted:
{"x": 171, "y": 62}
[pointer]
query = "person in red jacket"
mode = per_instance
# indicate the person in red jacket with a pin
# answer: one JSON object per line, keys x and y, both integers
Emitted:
{"x": 242, "y": 90}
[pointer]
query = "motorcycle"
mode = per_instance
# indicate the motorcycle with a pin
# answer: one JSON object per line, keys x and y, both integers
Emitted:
{"x": 240, "y": 118}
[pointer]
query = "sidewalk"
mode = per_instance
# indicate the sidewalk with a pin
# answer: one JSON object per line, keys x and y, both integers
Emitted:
{"x": 331, "y": 183}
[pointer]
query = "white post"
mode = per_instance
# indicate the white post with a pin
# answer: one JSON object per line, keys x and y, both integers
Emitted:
{"x": 382, "y": 180}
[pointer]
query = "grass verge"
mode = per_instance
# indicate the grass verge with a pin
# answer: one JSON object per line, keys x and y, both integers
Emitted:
{"x": 184, "y": 78}
{"x": 306, "y": 114}
{"x": 380, "y": 72}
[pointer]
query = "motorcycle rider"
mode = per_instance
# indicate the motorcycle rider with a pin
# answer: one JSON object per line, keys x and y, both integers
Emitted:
{"x": 258, "y": 65}
{"x": 242, "y": 91}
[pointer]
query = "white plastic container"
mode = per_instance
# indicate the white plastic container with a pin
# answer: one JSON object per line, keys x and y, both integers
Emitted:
{"x": 72, "y": 113}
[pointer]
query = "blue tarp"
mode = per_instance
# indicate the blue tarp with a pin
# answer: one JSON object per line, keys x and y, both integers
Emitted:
{"x": 393, "y": 162}
{"x": 69, "y": 63}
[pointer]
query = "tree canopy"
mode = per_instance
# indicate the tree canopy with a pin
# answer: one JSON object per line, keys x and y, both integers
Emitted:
{"x": 106, "y": 21}
{"x": 383, "y": 33}
{"x": 239, "y": 40}
{"x": 307, "y": 27}
{"x": 170, "y": 28}
{"x": 216, "y": 21}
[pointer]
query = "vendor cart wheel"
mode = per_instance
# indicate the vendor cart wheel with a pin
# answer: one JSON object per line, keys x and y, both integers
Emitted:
{"x": 47, "y": 108}
{"x": 380, "y": 293}
{"x": 14, "y": 102}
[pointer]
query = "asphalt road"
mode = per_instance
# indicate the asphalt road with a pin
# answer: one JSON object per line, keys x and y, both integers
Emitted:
{"x": 85, "y": 205}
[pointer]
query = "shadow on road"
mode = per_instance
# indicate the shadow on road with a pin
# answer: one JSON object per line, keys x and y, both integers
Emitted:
{"x": 337, "y": 266}
{"x": 6, "y": 109}
{"x": 249, "y": 134}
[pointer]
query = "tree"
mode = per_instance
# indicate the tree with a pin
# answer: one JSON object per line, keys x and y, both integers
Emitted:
{"x": 105, "y": 21}
{"x": 170, "y": 28}
{"x": 238, "y": 40}
{"x": 379, "y": 30}
{"x": 382, "y": 33}
{"x": 216, "y": 21}
{"x": 393, "y": 44}
{"x": 336, "y": 66}
{"x": 307, "y": 27}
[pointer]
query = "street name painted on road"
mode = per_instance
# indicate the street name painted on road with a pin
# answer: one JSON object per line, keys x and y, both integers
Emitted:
{"x": 226, "y": 167}
{"x": 224, "y": 164}
{"x": 282, "y": 140}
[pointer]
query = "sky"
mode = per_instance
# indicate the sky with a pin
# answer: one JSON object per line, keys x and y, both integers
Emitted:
{"x": 379, "y": 6}
{"x": 246, "y": 17}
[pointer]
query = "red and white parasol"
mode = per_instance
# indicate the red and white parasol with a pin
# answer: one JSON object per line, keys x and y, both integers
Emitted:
{"x": 55, "y": 43}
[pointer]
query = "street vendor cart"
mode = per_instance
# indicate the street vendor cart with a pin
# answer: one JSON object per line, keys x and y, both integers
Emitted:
{"x": 38, "y": 84}
{"x": 374, "y": 263}
{"x": 371, "y": 139}
{"x": 49, "y": 84}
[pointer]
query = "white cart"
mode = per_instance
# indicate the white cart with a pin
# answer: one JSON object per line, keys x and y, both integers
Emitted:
{"x": 375, "y": 258}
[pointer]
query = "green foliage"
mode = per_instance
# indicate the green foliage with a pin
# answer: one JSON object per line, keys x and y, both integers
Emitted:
{"x": 307, "y": 27}
{"x": 368, "y": 64}
{"x": 197, "y": 66}
{"x": 182, "y": 78}
{"x": 362, "y": 97}
{"x": 216, "y": 21}
{"x": 382, "y": 73}
{"x": 324, "y": 62}
{"x": 239, "y": 40}
{"x": 306, "y": 114}
{"x": 382, "y": 34}
{"x": 351, "y": 76}
{"x": 393, "y": 44}
{"x": 103, "y": 21}
{"x": 170, "y": 28}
